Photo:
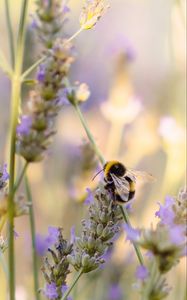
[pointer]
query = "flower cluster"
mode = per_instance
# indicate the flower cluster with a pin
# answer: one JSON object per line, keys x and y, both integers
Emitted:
{"x": 49, "y": 20}
{"x": 78, "y": 93}
{"x": 4, "y": 176}
{"x": 37, "y": 127}
{"x": 92, "y": 11}
{"x": 97, "y": 234}
{"x": 56, "y": 269}
{"x": 166, "y": 244}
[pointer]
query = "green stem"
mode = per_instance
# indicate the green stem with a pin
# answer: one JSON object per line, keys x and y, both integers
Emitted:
{"x": 33, "y": 234}
{"x": 10, "y": 32}
{"x": 17, "y": 184}
{"x": 89, "y": 135}
{"x": 15, "y": 101}
{"x": 136, "y": 248}
{"x": 72, "y": 285}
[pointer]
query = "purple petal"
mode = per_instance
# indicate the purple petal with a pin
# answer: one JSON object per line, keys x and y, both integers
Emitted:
{"x": 142, "y": 273}
{"x": 166, "y": 213}
{"x": 5, "y": 176}
{"x": 41, "y": 73}
{"x": 41, "y": 245}
{"x": 72, "y": 239}
{"x": 177, "y": 235}
{"x": 51, "y": 291}
{"x": 115, "y": 292}
{"x": 90, "y": 198}
{"x": 133, "y": 235}
{"x": 24, "y": 127}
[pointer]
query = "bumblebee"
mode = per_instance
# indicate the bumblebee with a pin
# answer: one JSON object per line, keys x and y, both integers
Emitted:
{"x": 120, "y": 181}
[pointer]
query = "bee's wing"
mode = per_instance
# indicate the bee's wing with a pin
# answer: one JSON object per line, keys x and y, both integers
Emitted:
{"x": 122, "y": 186}
{"x": 147, "y": 177}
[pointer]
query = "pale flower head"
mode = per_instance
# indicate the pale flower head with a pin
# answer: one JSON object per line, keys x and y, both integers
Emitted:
{"x": 170, "y": 130}
{"x": 82, "y": 93}
{"x": 92, "y": 11}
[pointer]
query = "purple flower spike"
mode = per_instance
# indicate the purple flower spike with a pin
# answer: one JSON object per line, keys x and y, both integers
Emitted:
{"x": 41, "y": 245}
{"x": 90, "y": 198}
{"x": 24, "y": 127}
{"x": 51, "y": 291}
{"x": 142, "y": 273}
{"x": 166, "y": 213}
{"x": 133, "y": 235}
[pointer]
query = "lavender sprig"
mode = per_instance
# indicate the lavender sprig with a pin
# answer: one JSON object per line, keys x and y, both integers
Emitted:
{"x": 97, "y": 234}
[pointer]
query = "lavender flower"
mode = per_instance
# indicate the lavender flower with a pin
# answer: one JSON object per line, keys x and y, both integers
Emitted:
{"x": 33, "y": 137}
{"x": 49, "y": 20}
{"x": 90, "y": 198}
{"x": 56, "y": 268}
{"x": 98, "y": 231}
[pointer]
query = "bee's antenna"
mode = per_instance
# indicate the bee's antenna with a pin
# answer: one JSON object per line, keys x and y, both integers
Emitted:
{"x": 97, "y": 174}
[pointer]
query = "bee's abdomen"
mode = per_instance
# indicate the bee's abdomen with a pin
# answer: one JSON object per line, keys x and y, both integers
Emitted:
{"x": 131, "y": 188}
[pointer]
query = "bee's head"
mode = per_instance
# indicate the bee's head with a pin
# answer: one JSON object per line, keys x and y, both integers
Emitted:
{"x": 114, "y": 167}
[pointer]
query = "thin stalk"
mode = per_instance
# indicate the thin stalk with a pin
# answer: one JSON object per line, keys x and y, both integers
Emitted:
{"x": 74, "y": 35}
{"x": 33, "y": 234}
{"x": 10, "y": 32}
{"x": 102, "y": 160}
{"x": 136, "y": 248}
{"x": 151, "y": 283}
{"x": 72, "y": 285}
{"x": 15, "y": 101}
{"x": 17, "y": 184}
{"x": 89, "y": 135}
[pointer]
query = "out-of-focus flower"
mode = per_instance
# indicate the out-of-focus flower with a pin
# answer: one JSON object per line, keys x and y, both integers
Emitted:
{"x": 133, "y": 235}
{"x": 64, "y": 289}
{"x": 4, "y": 176}
{"x": 115, "y": 292}
{"x": 50, "y": 291}
{"x": 49, "y": 20}
{"x": 92, "y": 11}
{"x": 124, "y": 114}
{"x": 120, "y": 45}
{"x": 21, "y": 207}
{"x": 142, "y": 272}
{"x": 170, "y": 130}
{"x": 45, "y": 242}
{"x": 33, "y": 137}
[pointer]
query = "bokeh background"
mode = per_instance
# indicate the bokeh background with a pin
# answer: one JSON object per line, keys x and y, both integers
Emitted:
{"x": 134, "y": 61}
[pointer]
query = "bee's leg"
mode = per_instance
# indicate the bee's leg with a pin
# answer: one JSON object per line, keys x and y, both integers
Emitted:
{"x": 131, "y": 188}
